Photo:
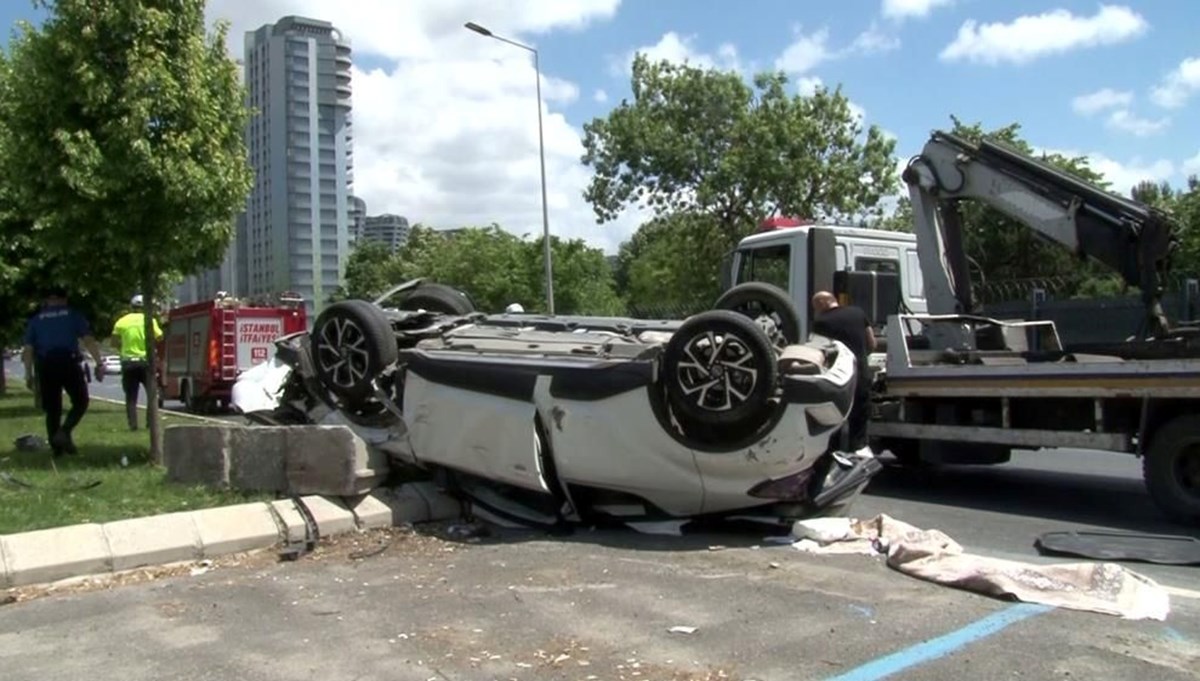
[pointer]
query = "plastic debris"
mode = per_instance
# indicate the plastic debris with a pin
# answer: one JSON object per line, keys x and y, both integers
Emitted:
{"x": 682, "y": 630}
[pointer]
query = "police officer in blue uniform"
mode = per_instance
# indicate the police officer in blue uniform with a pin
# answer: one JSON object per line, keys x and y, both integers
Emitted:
{"x": 51, "y": 356}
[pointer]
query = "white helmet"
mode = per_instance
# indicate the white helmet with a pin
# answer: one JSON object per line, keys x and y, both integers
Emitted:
{"x": 514, "y": 308}
{"x": 136, "y": 300}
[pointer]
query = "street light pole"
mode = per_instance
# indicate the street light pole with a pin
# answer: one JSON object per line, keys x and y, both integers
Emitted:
{"x": 472, "y": 26}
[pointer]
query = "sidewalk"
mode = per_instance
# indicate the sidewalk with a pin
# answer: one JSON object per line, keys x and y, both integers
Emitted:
{"x": 60, "y": 553}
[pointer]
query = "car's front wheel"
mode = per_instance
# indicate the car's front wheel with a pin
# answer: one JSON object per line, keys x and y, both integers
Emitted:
{"x": 720, "y": 370}
{"x": 352, "y": 343}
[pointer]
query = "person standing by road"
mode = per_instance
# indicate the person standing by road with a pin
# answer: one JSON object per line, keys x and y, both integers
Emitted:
{"x": 850, "y": 325}
{"x": 129, "y": 338}
{"x": 51, "y": 357}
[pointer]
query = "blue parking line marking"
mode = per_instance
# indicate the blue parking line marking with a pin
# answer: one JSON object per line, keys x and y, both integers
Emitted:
{"x": 943, "y": 645}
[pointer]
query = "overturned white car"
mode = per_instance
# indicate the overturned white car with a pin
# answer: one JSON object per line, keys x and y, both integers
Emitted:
{"x": 566, "y": 419}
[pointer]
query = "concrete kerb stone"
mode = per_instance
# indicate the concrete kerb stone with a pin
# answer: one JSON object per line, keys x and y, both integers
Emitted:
{"x": 58, "y": 553}
{"x": 233, "y": 529}
{"x": 153, "y": 540}
{"x": 5, "y": 580}
{"x": 331, "y": 515}
{"x": 290, "y": 521}
{"x": 370, "y": 512}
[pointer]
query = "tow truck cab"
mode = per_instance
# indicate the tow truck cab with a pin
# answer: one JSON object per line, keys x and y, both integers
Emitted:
{"x": 876, "y": 270}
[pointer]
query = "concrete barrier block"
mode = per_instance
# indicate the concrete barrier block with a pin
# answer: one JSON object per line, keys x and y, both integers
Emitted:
{"x": 256, "y": 458}
{"x": 152, "y": 540}
{"x": 442, "y": 506}
{"x": 231, "y": 529}
{"x": 290, "y": 519}
{"x": 331, "y": 515}
{"x": 331, "y": 461}
{"x": 370, "y": 511}
{"x": 58, "y": 553}
{"x": 197, "y": 454}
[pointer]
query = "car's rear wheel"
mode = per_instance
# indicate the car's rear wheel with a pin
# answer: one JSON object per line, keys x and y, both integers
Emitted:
{"x": 720, "y": 370}
{"x": 438, "y": 298}
{"x": 352, "y": 342}
{"x": 768, "y": 306}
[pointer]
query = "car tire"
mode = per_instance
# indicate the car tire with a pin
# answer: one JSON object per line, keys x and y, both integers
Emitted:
{"x": 438, "y": 298}
{"x": 352, "y": 342}
{"x": 756, "y": 299}
{"x": 1171, "y": 469}
{"x": 741, "y": 375}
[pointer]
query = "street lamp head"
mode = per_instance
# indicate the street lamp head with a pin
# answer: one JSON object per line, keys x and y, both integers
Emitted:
{"x": 472, "y": 26}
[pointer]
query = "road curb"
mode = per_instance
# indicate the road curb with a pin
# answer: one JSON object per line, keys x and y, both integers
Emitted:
{"x": 73, "y": 551}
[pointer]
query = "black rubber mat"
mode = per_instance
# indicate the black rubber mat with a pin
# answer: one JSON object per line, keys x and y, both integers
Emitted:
{"x": 1149, "y": 548}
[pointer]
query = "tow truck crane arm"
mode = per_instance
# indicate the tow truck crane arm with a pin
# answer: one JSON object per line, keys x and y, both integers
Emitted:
{"x": 1134, "y": 240}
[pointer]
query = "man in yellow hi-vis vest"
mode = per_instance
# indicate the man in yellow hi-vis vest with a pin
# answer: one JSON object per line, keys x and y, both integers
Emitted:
{"x": 129, "y": 337}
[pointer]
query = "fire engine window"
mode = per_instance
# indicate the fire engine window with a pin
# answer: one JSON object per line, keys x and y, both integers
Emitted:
{"x": 770, "y": 264}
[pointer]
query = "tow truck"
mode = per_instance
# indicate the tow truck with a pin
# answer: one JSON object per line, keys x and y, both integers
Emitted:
{"x": 953, "y": 386}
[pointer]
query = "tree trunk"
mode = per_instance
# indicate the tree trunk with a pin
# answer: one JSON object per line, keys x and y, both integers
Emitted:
{"x": 149, "y": 297}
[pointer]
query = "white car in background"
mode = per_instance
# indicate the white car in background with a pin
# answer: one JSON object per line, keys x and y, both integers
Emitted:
{"x": 551, "y": 419}
{"x": 111, "y": 364}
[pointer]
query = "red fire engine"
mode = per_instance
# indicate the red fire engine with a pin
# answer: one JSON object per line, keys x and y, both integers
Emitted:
{"x": 206, "y": 345}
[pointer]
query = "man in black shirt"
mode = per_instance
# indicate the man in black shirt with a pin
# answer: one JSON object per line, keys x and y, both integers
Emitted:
{"x": 849, "y": 325}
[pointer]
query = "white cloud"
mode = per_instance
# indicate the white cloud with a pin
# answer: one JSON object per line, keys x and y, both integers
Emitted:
{"x": 807, "y": 85}
{"x": 1125, "y": 121}
{"x": 874, "y": 40}
{"x": 1030, "y": 37}
{"x": 679, "y": 49}
{"x": 902, "y": 9}
{"x": 446, "y": 133}
{"x": 1178, "y": 85}
{"x": 1100, "y": 100}
{"x": 805, "y": 53}
{"x": 1192, "y": 165}
{"x": 600, "y": 96}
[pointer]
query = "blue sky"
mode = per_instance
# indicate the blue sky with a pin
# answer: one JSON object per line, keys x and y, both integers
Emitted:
{"x": 445, "y": 130}
{"x": 909, "y": 89}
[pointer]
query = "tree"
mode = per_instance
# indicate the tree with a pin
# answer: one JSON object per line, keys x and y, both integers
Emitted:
{"x": 498, "y": 268}
{"x": 122, "y": 125}
{"x": 367, "y": 271}
{"x": 672, "y": 265}
{"x": 704, "y": 141}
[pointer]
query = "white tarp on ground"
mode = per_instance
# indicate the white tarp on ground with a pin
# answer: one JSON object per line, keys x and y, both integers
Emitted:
{"x": 933, "y": 556}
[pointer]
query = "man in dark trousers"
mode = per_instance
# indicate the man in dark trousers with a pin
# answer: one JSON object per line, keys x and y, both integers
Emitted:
{"x": 849, "y": 325}
{"x": 51, "y": 356}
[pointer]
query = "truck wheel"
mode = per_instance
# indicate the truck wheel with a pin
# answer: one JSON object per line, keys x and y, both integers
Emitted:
{"x": 1171, "y": 469}
{"x": 758, "y": 300}
{"x": 438, "y": 298}
{"x": 352, "y": 342}
{"x": 720, "y": 369}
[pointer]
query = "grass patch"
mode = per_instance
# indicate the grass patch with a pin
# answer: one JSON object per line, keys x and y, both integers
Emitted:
{"x": 103, "y": 438}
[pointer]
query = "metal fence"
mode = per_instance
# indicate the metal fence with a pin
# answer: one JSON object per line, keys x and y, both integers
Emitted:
{"x": 1100, "y": 319}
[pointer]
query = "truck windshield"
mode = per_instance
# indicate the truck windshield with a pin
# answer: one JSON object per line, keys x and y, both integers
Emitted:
{"x": 770, "y": 264}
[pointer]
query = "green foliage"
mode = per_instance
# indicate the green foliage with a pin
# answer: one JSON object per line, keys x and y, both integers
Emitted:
{"x": 121, "y": 126}
{"x": 367, "y": 272}
{"x": 705, "y": 141}
{"x": 494, "y": 266}
{"x": 672, "y": 263}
